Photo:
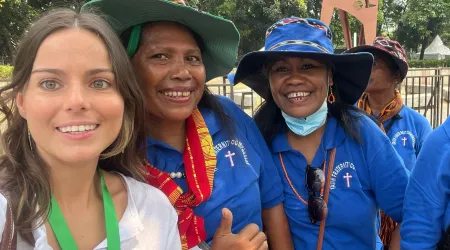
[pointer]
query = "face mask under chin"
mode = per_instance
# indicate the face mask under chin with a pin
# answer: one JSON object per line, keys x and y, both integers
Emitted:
{"x": 305, "y": 126}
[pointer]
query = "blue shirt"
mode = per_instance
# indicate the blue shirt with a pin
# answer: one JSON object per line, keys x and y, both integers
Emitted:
{"x": 365, "y": 177}
{"x": 408, "y": 134}
{"x": 246, "y": 179}
{"x": 426, "y": 208}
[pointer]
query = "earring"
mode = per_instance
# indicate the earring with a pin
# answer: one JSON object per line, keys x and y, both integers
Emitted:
{"x": 29, "y": 139}
{"x": 331, "y": 98}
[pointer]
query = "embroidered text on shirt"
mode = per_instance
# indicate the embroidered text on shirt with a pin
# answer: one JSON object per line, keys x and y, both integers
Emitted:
{"x": 337, "y": 170}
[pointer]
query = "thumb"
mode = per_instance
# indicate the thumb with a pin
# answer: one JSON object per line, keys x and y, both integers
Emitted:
{"x": 226, "y": 222}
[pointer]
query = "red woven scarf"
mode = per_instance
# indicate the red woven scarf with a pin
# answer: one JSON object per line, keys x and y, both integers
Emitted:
{"x": 199, "y": 162}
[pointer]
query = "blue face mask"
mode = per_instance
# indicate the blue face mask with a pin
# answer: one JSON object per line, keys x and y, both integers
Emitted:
{"x": 305, "y": 126}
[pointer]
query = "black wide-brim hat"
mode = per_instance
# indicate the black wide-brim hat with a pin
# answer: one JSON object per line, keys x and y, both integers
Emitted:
{"x": 307, "y": 38}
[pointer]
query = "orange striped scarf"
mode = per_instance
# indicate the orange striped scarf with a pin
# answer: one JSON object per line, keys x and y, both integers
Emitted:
{"x": 389, "y": 111}
{"x": 199, "y": 162}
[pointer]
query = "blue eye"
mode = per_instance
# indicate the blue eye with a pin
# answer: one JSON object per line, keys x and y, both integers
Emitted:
{"x": 100, "y": 84}
{"x": 49, "y": 84}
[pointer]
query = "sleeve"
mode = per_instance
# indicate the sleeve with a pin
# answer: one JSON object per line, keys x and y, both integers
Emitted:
{"x": 173, "y": 236}
{"x": 426, "y": 196}
{"x": 270, "y": 184}
{"x": 425, "y": 130}
{"x": 388, "y": 175}
{"x": 269, "y": 180}
{"x": 3, "y": 206}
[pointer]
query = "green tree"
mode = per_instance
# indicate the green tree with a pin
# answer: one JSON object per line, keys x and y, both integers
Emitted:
{"x": 423, "y": 20}
{"x": 445, "y": 35}
{"x": 43, "y": 5}
{"x": 15, "y": 16}
{"x": 392, "y": 11}
{"x": 252, "y": 17}
{"x": 313, "y": 8}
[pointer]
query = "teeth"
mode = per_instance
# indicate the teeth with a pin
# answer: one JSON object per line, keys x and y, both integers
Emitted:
{"x": 177, "y": 93}
{"x": 298, "y": 94}
{"x": 80, "y": 128}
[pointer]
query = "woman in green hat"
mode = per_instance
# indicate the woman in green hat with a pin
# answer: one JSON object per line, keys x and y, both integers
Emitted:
{"x": 203, "y": 151}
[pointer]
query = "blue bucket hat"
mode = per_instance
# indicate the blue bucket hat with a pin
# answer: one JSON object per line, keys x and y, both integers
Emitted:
{"x": 230, "y": 77}
{"x": 308, "y": 38}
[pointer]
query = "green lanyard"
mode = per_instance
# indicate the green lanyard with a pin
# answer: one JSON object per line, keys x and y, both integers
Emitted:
{"x": 62, "y": 232}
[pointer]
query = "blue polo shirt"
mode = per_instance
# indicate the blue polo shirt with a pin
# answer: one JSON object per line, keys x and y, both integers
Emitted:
{"x": 407, "y": 134}
{"x": 426, "y": 208}
{"x": 365, "y": 177}
{"x": 246, "y": 179}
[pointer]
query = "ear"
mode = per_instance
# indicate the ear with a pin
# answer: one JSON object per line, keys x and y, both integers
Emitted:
{"x": 397, "y": 78}
{"x": 20, "y": 107}
{"x": 330, "y": 78}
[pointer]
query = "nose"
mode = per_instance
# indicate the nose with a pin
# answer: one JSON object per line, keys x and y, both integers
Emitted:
{"x": 77, "y": 98}
{"x": 296, "y": 78}
{"x": 180, "y": 70}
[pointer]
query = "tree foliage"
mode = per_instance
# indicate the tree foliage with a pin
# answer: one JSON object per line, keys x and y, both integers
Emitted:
{"x": 414, "y": 23}
{"x": 15, "y": 16}
{"x": 422, "y": 21}
{"x": 253, "y": 17}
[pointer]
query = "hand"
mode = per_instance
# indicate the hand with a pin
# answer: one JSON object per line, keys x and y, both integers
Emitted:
{"x": 395, "y": 239}
{"x": 249, "y": 238}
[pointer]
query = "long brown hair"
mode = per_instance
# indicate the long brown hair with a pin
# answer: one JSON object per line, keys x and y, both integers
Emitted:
{"x": 25, "y": 177}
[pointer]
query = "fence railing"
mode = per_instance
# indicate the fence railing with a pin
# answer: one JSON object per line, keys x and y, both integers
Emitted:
{"x": 425, "y": 90}
{"x": 429, "y": 94}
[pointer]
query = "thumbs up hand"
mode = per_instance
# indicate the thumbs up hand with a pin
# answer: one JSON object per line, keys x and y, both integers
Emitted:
{"x": 249, "y": 238}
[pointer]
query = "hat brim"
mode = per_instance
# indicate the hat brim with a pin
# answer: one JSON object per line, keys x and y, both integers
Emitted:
{"x": 220, "y": 36}
{"x": 403, "y": 66}
{"x": 351, "y": 71}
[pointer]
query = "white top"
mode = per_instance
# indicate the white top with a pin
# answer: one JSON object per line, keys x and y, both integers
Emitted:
{"x": 149, "y": 222}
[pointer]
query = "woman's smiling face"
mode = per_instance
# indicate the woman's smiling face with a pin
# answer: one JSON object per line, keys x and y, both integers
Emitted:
{"x": 169, "y": 64}
{"x": 299, "y": 86}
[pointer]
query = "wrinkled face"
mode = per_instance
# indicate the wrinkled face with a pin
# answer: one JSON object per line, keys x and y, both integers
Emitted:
{"x": 382, "y": 77}
{"x": 169, "y": 64}
{"x": 299, "y": 86}
{"x": 72, "y": 106}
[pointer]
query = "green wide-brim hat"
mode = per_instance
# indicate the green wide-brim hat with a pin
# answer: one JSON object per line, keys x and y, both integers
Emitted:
{"x": 220, "y": 36}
